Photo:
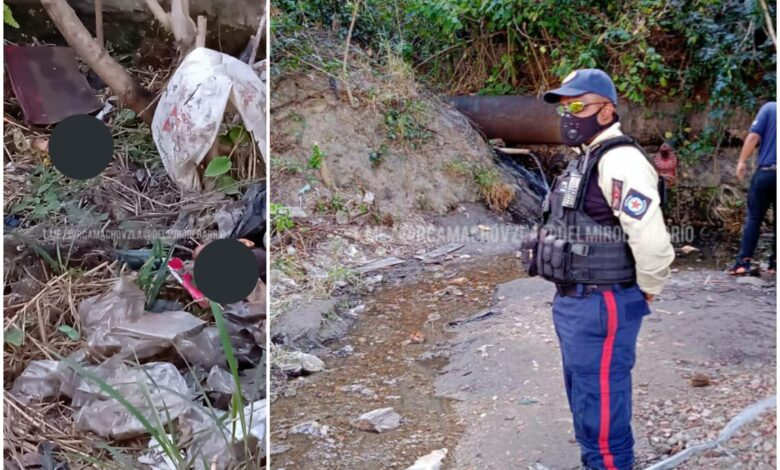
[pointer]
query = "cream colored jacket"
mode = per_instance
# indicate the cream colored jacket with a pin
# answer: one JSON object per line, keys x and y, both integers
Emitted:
{"x": 630, "y": 185}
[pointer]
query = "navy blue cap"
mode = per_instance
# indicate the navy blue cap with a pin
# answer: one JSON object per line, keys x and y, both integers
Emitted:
{"x": 584, "y": 81}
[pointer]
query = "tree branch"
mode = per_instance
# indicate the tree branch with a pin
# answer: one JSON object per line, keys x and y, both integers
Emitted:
{"x": 99, "y": 23}
{"x": 200, "y": 39}
{"x": 182, "y": 26}
{"x": 129, "y": 91}
{"x": 159, "y": 13}
{"x": 346, "y": 53}
{"x": 256, "y": 40}
{"x": 769, "y": 26}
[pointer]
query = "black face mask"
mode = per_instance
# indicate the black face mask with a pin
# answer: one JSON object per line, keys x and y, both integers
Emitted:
{"x": 576, "y": 130}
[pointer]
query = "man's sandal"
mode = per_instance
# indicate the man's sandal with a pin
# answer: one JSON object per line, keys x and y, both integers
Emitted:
{"x": 740, "y": 268}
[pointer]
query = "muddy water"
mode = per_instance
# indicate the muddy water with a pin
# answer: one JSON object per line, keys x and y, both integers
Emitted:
{"x": 398, "y": 372}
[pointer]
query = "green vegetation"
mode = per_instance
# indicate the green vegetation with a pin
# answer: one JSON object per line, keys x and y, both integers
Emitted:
{"x": 8, "y": 17}
{"x": 376, "y": 157}
{"x": 284, "y": 165}
{"x": 48, "y": 188}
{"x": 713, "y": 55}
{"x": 281, "y": 218}
{"x": 316, "y": 157}
{"x": 497, "y": 194}
{"x": 405, "y": 121}
{"x": 13, "y": 336}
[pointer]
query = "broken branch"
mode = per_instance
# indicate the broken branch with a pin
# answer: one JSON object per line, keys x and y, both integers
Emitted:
{"x": 200, "y": 39}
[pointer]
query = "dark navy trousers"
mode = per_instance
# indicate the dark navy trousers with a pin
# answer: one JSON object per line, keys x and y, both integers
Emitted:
{"x": 597, "y": 332}
{"x": 763, "y": 190}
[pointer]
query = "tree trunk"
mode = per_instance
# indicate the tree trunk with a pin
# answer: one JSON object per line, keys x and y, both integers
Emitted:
{"x": 129, "y": 91}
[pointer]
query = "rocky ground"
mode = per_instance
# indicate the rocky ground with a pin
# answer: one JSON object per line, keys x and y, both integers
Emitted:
{"x": 464, "y": 350}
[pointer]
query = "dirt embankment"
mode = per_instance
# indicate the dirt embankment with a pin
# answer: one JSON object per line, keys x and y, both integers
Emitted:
{"x": 398, "y": 142}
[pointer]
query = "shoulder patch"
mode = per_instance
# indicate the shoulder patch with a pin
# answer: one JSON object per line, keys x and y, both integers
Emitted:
{"x": 636, "y": 204}
{"x": 617, "y": 193}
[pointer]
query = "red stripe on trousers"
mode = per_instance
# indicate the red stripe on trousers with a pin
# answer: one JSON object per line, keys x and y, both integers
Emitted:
{"x": 606, "y": 359}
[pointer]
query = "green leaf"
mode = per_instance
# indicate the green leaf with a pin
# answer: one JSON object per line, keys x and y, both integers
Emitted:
{"x": 159, "y": 278}
{"x": 228, "y": 185}
{"x": 218, "y": 166}
{"x": 227, "y": 346}
{"x": 124, "y": 116}
{"x": 8, "y": 17}
{"x": 237, "y": 135}
{"x": 70, "y": 332}
{"x": 14, "y": 336}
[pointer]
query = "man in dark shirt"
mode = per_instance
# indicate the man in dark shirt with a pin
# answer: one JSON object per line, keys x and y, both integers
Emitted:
{"x": 763, "y": 187}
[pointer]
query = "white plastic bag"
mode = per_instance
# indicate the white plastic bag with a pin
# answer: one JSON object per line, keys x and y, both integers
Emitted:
{"x": 187, "y": 119}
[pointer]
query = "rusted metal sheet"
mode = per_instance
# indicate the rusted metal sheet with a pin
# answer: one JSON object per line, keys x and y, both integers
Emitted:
{"x": 518, "y": 120}
{"x": 48, "y": 84}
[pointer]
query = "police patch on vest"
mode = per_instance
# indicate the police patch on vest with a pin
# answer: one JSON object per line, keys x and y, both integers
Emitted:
{"x": 636, "y": 204}
{"x": 617, "y": 193}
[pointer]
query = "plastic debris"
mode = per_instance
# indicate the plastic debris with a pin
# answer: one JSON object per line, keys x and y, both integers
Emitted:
{"x": 157, "y": 390}
{"x": 220, "y": 381}
{"x": 192, "y": 107}
{"x": 431, "y": 461}
{"x": 38, "y": 382}
{"x": 124, "y": 301}
{"x": 255, "y": 418}
{"x": 215, "y": 447}
{"x": 209, "y": 443}
{"x": 203, "y": 349}
{"x": 156, "y": 458}
{"x": 688, "y": 249}
{"x": 379, "y": 264}
{"x": 252, "y": 381}
{"x": 296, "y": 362}
{"x": 245, "y": 318}
{"x": 144, "y": 337}
{"x": 441, "y": 251}
{"x": 251, "y": 222}
{"x": 115, "y": 322}
{"x": 310, "y": 428}
{"x": 176, "y": 268}
{"x": 379, "y": 420}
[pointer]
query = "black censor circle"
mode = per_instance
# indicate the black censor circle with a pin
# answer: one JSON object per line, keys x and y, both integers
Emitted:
{"x": 81, "y": 146}
{"x": 226, "y": 271}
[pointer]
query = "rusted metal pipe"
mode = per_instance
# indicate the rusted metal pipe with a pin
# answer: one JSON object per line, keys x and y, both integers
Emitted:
{"x": 517, "y": 120}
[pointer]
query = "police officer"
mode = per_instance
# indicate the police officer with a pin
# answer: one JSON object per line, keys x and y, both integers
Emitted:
{"x": 604, "y": 243}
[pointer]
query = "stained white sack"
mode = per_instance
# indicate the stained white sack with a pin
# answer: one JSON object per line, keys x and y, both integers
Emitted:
{"x": 192, "y": 107}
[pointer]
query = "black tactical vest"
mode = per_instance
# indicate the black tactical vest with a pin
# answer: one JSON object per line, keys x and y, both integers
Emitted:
{"x": 571, "y": 247}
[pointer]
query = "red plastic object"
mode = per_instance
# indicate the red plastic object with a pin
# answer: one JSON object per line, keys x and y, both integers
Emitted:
{"x": 666, "y": 164}
{"x": 48, "y": 84}
{"x": 176, "y": 268}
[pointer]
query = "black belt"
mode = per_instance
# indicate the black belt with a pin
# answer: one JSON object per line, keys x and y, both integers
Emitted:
{"x": 570, "y": 290}
{"x": 768, "y": 167}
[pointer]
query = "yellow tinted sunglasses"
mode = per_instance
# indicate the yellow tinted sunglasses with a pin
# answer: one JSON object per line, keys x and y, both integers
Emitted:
{"x": 574, "y": 107}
